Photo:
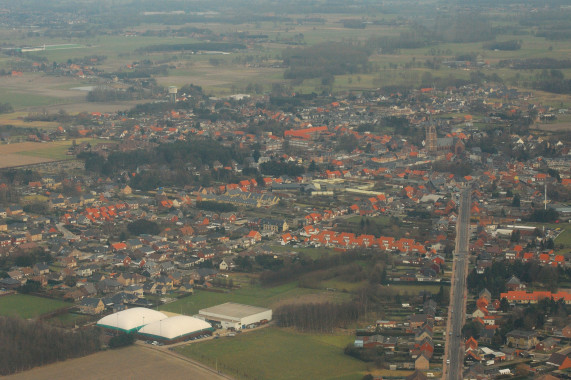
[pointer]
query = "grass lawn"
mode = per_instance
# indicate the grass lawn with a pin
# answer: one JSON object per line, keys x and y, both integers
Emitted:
{"x": 25, "y": 306}
{"x": 255, "y": 295}
{"x": 279, "y": 354}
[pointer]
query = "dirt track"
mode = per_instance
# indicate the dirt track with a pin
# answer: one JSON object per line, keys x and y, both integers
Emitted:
{"x": 134, "y": 362}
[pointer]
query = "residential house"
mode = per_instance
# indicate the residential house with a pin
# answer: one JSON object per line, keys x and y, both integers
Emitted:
{"x": 422, "y": 362}
{"x": 273, "y": 225}
{"x": 522, "y": 339}
{"x": 561, "y": 359}
{"x": 91, "y": 306}
{"x": 41, "y": 268}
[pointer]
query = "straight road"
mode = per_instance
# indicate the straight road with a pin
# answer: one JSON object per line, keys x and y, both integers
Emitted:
{"x": 457, "y": 310}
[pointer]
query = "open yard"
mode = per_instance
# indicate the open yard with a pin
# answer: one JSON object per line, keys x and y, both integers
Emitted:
{"x": 255, "y": 295}
{"x": 279, "y": 354}
{"x": 25, "y": 306}
{"x": 135, "y": 362}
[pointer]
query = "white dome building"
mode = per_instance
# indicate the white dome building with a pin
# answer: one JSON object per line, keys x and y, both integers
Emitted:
{"x": 131, "y": 320}
{"x": 175, "y": 328}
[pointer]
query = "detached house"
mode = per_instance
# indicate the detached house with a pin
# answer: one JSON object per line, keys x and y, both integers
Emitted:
{"x": 522, "y": 339}
{"x": 91, "y": 306}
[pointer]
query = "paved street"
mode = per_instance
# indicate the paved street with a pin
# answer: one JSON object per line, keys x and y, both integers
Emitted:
{"x": 457, "y": 317}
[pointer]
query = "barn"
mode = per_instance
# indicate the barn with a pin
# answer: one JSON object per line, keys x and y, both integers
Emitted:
{"x": 236, "y": 316}
{"x": 175, "y": 329}
{"x": 131, "y": 320}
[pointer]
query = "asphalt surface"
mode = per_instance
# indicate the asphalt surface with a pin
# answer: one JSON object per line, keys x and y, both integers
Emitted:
{"x": 455, "y": 349}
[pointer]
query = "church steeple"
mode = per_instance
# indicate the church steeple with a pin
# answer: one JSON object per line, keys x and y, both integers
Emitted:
{"x": 431, "y": 138}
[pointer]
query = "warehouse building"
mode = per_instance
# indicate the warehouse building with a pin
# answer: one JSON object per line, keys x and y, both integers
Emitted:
{"x": 131, "y": 320}
{"x": 175, "y": 329}
{"x": 236, "y": 316}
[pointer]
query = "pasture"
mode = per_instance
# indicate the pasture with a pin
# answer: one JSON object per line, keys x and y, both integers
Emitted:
{"x": 25, "y": 306}
{"x": 28, "y": 153}
{"x": 275, "y": 351}
{"x": 255, "y": 295}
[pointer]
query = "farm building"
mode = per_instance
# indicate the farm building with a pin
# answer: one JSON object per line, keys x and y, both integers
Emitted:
{"x": 130, "y": 320}
{"x": 236, "y": 316}
{"x": 175, "y": 329}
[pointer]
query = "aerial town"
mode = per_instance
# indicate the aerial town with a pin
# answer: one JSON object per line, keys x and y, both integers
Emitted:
{"x": 388, "y": 233}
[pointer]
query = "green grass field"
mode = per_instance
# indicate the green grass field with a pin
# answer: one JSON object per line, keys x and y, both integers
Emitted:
{"x": 57, "y": 150}
{"x": 25, "y": 306}
{"x": 22, "y": 100}
{"x": 274, "y": 353}
{"x": 255, "y": 295}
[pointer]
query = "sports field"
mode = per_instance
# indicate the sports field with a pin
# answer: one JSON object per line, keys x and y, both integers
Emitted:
{"x": 25, "y": 306}
{"x": 279, "y": 354}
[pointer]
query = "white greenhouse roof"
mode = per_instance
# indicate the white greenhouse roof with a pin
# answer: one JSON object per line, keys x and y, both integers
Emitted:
{"x": 131, "y": 318}
{"x": 174, "y": 327}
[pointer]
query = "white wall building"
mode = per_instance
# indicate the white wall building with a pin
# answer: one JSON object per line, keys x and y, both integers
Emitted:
{"x": 236, "y": 316}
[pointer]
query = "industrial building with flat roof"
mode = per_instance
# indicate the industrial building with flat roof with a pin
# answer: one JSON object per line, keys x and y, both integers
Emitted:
{"x": 236, "y": 316}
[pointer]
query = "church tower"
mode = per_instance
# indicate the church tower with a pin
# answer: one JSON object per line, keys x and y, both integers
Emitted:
{"x": 431, "y": 139}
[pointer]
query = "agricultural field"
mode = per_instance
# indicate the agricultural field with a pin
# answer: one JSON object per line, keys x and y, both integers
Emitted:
{"x": 275, "y": 350}
{"x": 224, "y": 74}
{"x": 143, "y": 362}
{"x": 25, "y": 306}
{"x": 255, "y": 295}
{"x": 28, "y": 153}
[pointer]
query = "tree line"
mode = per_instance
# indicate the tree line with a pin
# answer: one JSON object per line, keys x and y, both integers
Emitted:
{"x": 103, "y": 94}
{"x": 198, "y": 46}
{"x": 495, "y": 277}
{"x": 6, "y": 108}
{"x": 277, "y": 169}
{"x": 333, "y": 58}
{"x": 318, "y": 317}
{"x": 502, "y": 45}
{"x": 28, "y": 344}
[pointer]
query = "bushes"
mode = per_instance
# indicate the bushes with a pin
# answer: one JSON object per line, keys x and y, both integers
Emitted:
{"x": 122, "y": 340}
{"x": 142, "y": 226}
